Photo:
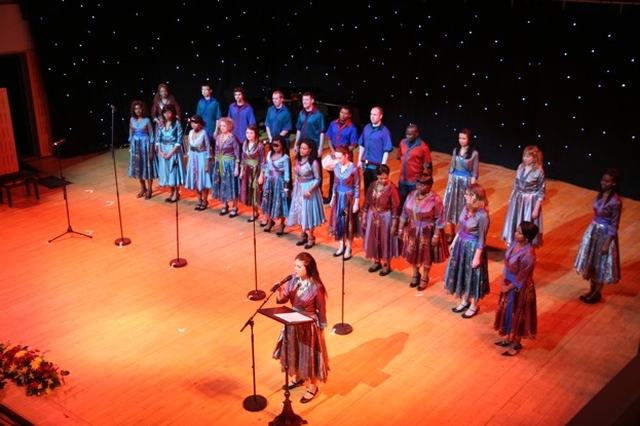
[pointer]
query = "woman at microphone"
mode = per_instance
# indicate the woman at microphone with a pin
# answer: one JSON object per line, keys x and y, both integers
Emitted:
{"x": 306, "y": 356}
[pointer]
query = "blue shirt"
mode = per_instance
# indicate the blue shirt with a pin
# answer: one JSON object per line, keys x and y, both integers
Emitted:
{"x": 345, "y": 134}
{"x": 376, "y": 141}
{"x": 209, "y": 110}
{"x": 311, "y": 124}
{"x": 278, "y": 119}
{"x": 242, "y": 116}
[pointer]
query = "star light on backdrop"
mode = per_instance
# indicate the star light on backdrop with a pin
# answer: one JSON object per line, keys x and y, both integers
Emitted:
{"x": 563, "y": 77}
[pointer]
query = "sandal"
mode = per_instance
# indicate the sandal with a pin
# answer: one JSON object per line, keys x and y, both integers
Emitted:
{"x": 293, "y": 384}
{"x": 423, "y": 283}
{"x": 310, "y": 244}
{"x": 141, "y": 193}
{"x": 376, "y": 267}
{"x": 416, "y": 280}
{"x": 503, "y": 343}
{"x": 308, "y": 396}
{"x": 234, "y": 212}
{"x": 280, "y": 230}
{"x": 268, "y": 228}
{"x": 461, "y": 307}
{"x": 302, "y": 241}
{"x": 224, "y": 210}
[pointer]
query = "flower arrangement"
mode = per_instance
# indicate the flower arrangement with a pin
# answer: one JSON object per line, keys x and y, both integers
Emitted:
{"x": 26, "y": 367}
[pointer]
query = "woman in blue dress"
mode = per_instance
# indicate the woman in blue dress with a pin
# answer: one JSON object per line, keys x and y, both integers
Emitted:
{"x": 467, "y": 273}
{"x": 169, "y": 150}
{"x": 141, "y": 149}
{"x": 527, "y": 195}
{"x": 198, "y": 176}
{"x": 226, "y": 167}
{"x": 345, "y": 197}
{"x": 463, "y": 171}
{"x": 306, "y": 201}
{"x": 276, "y": 178}
{"x": 598, "y": 259}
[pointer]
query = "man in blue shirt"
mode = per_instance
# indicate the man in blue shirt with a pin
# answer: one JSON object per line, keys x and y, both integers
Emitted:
{"x": 241, "y": 113}
{"x": 310, "y": 125}
{"x": 278, "y": 120}
{"x": 341, "y": 131}
{"x": 209, "y": 109}
{"x": 375, "y": 145}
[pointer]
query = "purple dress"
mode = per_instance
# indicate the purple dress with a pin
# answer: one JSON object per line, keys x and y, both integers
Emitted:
{"x": 516, "y": 316}
{"x": 380, "y": 208}
{"x": 422, "y": 219}
{"x": 461, "y": 170}
{"x": 306, "y": 355}
{"x": 528, "y": 189}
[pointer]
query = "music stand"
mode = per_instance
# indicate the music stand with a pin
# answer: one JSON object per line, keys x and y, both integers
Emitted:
{"x": 64, "y": 194}
{"x": 290, "y": 318}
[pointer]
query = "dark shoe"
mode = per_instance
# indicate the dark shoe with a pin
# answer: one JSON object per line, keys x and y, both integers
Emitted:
{"x": 376, "y": 267}
{"x": 166, "y": 200}
{"x": 594, "y": 298}
{"x": 513, "y": 351}
{"x": 473, "y": 313}
{"x": 503, "y": 343}
{"x": 347, "y": 254}
{"x": 172, "y": 200}
{"x": 268, "y": 228}
{"x": 423, "y": 284}
{"x": 385, "y": 271}
{"x": 462, "y": 308}
{"x": 224, "y": 210}
{"x": 338, "y": 253}
{"x": 263, "y": 224}
{"x": 293, "y": 384}
{"x": 234, "y": 212}
{"x": 148, "y": 195}
{"x": 141, "y": 193}
{"x": 326, "y": 200}
{"x": 308, "y": 396}
{"x": 310, "y": 244}
{"x": 280, "y": 231}
{"x": 415, "y": 281}
{"x": 302, "y": 241}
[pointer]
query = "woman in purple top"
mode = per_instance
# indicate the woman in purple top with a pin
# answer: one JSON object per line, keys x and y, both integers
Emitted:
{"x": 516, "y": 317}
{"x": 306, "y": 353}
{"x": 598, "y": 259}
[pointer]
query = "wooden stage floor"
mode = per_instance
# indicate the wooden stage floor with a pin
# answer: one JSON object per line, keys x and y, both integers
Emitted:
{"x": 147, "y": 344}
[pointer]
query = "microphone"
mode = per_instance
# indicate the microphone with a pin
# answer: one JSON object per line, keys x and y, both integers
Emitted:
{"x": 60, "y": 142}
{"x": 278, "y": 284}
{"x": 113, "y": 108}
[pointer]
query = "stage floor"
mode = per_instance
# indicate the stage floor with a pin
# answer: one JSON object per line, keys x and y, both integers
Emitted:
{"x": 147, "y": 344}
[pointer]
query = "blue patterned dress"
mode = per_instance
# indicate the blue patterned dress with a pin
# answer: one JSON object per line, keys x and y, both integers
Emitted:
{"x": 460, "y": 278}
{"x": 528, "y": 189}
{"x": 141, "y": 140}
{"x": 601, "y": 268}
{"x": 346, "y": 192}
{"x": 197, "y": 177}
{"x": 461, "y": 171}
{"x": 275, "y": 202}
{"x": 170, "y": 172}
{"x": 227, "y": 154}
{"x": 306, "y": 212}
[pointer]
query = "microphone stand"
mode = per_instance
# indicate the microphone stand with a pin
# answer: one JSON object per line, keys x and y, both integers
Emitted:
{"x": 122, "y": 241}
{"x": 254, "y": 402}
{"x": 64, "y": 194}
{"x": 342, "y": 328}
{"x": 255, "y": 294}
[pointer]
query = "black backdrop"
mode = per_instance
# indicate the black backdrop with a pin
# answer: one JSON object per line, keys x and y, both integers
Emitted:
{"x": 563, "y": 76}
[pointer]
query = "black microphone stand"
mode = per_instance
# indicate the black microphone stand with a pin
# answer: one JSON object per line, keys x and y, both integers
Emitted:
{"x": 342, "y": 328}
{"x": 255, "y": 294}
{"x": 64, "y": 194}
{"x": 178, "y": 262}
{"x": 122, "y": 241}
{"x": 254, "y": 402}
